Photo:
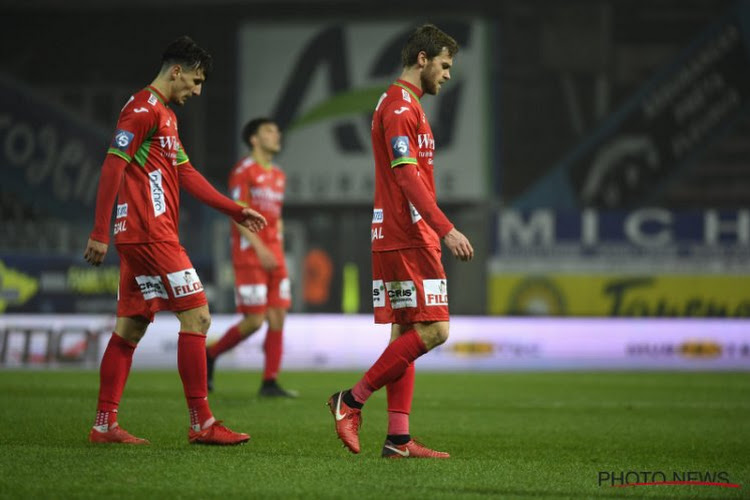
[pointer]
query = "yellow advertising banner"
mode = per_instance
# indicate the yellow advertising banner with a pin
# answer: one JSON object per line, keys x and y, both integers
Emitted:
{"x": 618, "y": 295}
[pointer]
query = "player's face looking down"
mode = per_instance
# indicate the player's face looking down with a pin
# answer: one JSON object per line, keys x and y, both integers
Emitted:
{"x": 267, "y": 138}
{"x": 186, "y": 83}
{"x": 435, "y": 71}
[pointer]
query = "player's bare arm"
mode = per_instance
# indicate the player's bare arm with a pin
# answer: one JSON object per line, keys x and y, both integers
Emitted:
{"x": 267, "y": 259}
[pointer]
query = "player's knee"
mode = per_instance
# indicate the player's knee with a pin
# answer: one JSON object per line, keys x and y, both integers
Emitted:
{"x": 441, "y": 335}
{"x": 204, "y": 322}
{"x": 250, "y": 324}
{"x": 434, "y": 334}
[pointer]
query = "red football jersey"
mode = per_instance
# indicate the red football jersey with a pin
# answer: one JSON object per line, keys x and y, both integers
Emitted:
{"x": 148, "y": 200}
{"x": 261, "y": 189}
{"x": 400, "y": 135}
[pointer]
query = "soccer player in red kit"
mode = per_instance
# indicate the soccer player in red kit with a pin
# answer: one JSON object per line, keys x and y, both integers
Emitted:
{"x": 145, "y": 168}
{"x": 409, "y": 284}
{"x": 262, "y": 289}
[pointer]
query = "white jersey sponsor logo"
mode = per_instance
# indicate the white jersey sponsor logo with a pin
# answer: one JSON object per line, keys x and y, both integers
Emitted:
{"x": 157, "y": 193}
{"x": 415, "y": 217}
{"x": 152, "y": 100}
{"x": 435, "y": 292}
{"x": 405, "y": 94}
{"x": 185, "y": 282}
{"x": 151, "y": 287}
{"x": 401, "y": 110}
{"x": 122, "y": 211}
{"x": 377, "y": 215}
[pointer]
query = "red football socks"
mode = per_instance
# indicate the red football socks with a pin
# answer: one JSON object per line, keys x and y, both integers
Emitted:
{"x": 399, "y": 394}
{"x": 391, "y": 365}
{"x": 273, "y": 348}
{"x": 113, "y": 373}
{"x": 191, "y": 363}
{"x": 230, "y": 339}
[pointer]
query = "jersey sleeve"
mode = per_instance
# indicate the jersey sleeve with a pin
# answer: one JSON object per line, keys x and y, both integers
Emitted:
{"x": 400, "y": 123}
{"x": 138, "y": 121}
{"x": 239, "y": 190}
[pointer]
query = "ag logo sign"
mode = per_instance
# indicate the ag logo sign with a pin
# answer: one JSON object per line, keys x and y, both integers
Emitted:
{"x": 321, "y": 83}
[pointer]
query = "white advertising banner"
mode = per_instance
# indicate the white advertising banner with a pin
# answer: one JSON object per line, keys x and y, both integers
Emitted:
{"x": 321, "y": 82}
{"x": 353, "y": 342}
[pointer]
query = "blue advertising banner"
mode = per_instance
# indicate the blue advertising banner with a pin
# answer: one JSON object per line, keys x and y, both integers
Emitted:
{"x": 47, "y": 155}
{"x": 661, "y": 129}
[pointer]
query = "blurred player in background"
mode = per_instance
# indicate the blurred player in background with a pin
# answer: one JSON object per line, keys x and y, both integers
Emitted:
{"x": 409, "y": 283}
{"x": 145, "y": 167}
{"x": 262, "y": 290}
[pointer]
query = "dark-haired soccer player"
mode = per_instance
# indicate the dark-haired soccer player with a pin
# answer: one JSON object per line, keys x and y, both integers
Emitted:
{"x": 409, "y": 283}
{"x": 145, "y": 168}
{"x": 262, "y": 290}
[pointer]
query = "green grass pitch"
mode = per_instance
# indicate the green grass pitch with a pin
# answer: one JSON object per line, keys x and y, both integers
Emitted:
{"x": 512, "y": 435}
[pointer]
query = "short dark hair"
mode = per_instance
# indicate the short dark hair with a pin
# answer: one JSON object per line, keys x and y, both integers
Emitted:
{"x": 430, "y": 39}
{"x": 251, "y": 128}
{"x": 185, "y": 52}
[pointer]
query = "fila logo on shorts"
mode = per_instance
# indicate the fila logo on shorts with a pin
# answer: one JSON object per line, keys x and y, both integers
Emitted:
{"x": 401, "y": 294}
{"x": 185, "y": 282}
{"x": 151, "y": 287}
{"x": 252, "y": 295}
{"x": 435, "y": 292}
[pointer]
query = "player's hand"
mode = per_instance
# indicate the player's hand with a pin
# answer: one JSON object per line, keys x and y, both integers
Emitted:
{"x": 459, "y": 245}
{"x": 267, "y": 259}
{"x": 95, "y": 252}
{"x": 252, "y": 220}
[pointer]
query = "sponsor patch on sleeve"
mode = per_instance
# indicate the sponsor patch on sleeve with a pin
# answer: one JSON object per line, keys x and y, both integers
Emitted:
{"x": 400, "y": 146}
{"x": 122, "y": 140}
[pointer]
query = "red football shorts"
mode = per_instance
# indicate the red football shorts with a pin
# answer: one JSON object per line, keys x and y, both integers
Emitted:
{"x": 409, "y": 286}
{"x": 257, "y": 289}
{"x": 157, "y": 277}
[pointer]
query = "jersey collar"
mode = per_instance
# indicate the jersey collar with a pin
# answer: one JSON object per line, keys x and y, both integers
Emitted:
{"x": 156, "y": 93}
{"x": 412, "y": 89}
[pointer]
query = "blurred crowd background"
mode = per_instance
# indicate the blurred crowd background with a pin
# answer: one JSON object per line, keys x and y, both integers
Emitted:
{"x": 595, "y": 152}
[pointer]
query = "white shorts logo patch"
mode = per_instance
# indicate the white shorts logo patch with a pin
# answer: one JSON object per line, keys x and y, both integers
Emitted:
{"x": 185, "y": 282}
{"x": 285, "y": 289}
{"x": 378, "y": 293}
{"x": 401, "y": 294}
{"x": 151, "y": 287}
{"x": 251, "y": 295}
{"x": 435, "y": 292}
{"x": 377, "y": 215}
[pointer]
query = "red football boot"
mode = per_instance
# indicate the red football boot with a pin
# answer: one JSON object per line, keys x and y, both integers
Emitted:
{"x": 348, "y": 420}
{"x": 115, "y": 434}
{"x": 217, "y": 434}
{"x": 412, "y": 449}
